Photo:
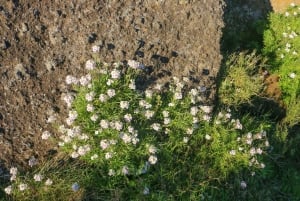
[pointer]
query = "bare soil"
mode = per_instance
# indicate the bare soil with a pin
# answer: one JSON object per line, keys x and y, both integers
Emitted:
{"x": 43, "y": 41}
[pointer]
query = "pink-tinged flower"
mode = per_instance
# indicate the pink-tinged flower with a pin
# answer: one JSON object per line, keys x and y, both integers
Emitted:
{"x": 128, "y": 117}
{"x": 125, "y": 170}
{"x": 104, "y": 144}
{"x": 102, "y": 97}
{"x": 135, "y": 64}
{"x": 71, "y": 79}
{"x": 46, "y": 135}
{"x": 90, "y": 64}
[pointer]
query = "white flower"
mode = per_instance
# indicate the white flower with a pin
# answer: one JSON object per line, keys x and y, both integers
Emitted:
{"x": 93, "y": 157}
{"x": 259, "y": 151}
{"x": 206, "y": 117}
{"x": 51, "y": 119}
{"x": 195, "y": 120}
{"x": 288, "y": 45}
{"x": 125, "y": 170}
{"x": 111, "y": 172}
{"x": 118, "y": 125}
{"x": 156, "y": 126}
{"x": 146, "y": 191}
{"x": 178, "y": 95}
{"x": 82, "y": 150}
{"x": 13, "y": 177}
{"x": 243, "y": 184}
{"x": 90, "y": 96}
{"x": 194, "y": 92}
{"x": 206, "y": 109}
{"x": 132, "y": 85}
{"x": 171, "y": 104}
{"x": 293, "y": 4}
{"x": 111, "y": 93}
{"x": 48, "y": 182}
{"x": 194, "y": 110}
{"x": 13, "y": 171}
{"x": 124, "y": 104}
{"x": 287, "y": 14}
{"x": 115, "y": 74}
{"x": 73, "y": 114}
{"x": 158, "y": 86}
{"x": 294, "y": 53}
{"x": 149, "y": 114}
{"x": 292, "y": 75}
{"x": 238, "y": 125}
{"x": 8, "y": 190}
{"x": 102, "y": 97}
{"x": 32, "y": 161}
{"x": 130, "y": 129}
{"x": 185, "y": 139}
{"x": 189, "y": 131}
{"x": 71, "y": 79}
{"x": 262, "y": 165}
{"x": 95, "y": 48}
{"x": 109, "y": 82}
{"x": 46, "y": 135}
{"x": 167, "y": 121}
{"x": 207, "y": 137}
{"x": 135, "y": 64}
{"x": 152, "y": 159}
{"x": 108, "y": 155}
{"x": 104, "y": 144}
{"x": 128, "y": 117}
{"x": 148, "y": 93}
{"x": 23, "y": 187}
{"x": 295, "y": 13}
{"x": 165, "y": 114}
{"x": 125, "y": 137}
{"x": 75, "y": 186}
{"x": 37, "y": 177}
{"x": 104, "y": 124}
{"x": 85, "y": 80}
{"x": 90, "y": 64}
{"x": 68, "y": 98}
{"x": 232, "y": 152}
{"x": 284, "y": 34}
{"x": 94, "y": 117}
{"x": 90, "y": 108}
{"x": 252, "y": 151}
{"x": 152, "y": 149}
{"x": 74, "y": 155}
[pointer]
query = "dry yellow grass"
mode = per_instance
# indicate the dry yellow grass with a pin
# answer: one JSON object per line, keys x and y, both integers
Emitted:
{"x": 281, "y": 5}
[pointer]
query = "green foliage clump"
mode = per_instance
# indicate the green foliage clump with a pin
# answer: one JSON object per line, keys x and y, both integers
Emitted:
{"x": 242, "y": 80}
{"x": 282, "y": 45}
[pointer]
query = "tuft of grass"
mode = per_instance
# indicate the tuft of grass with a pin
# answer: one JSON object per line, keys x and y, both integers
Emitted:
{"x": 242, "y": 81}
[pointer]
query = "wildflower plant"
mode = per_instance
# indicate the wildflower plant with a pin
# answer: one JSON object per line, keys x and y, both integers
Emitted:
{"x": 282, "y": 43}
{"x": 162, "y": 142}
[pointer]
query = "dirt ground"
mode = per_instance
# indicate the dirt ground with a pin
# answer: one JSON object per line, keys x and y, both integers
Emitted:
{"x": 43, "y": 41}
